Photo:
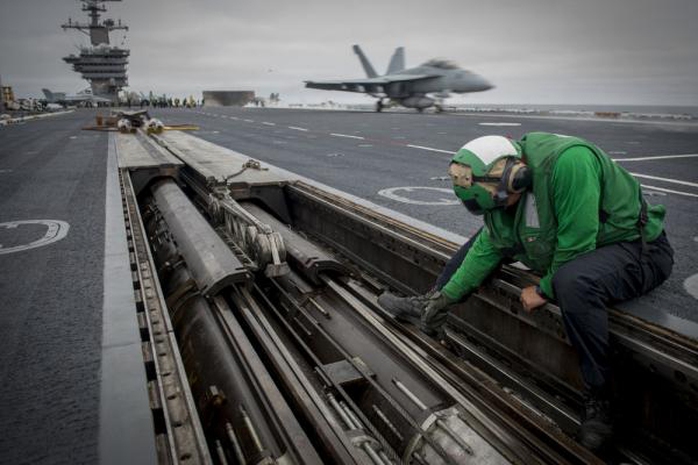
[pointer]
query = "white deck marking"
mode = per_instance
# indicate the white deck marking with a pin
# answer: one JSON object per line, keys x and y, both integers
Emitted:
{"x": 234, "y": 117}
{"x": 267, "y": 123}
{"x": 499, "y": 124}
{"x": 249, "y": 121}
{"x": 674, "y": 181}
{"x": 431, "y": 149}
{"x": 55, "y": 231}
{"x": 661, "y": 189}
{"x": 659, "y": 157}
{"x": 296, "y": 128}
{"x": 691, "y": 285}
{"x": 391, "y": 194}
{"x": 335, "y": 134}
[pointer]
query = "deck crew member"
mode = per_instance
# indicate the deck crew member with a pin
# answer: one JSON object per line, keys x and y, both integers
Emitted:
{"x": 562, "y": 207}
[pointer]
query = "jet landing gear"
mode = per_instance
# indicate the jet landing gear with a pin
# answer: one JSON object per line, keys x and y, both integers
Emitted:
{"x": 379, "y": 106}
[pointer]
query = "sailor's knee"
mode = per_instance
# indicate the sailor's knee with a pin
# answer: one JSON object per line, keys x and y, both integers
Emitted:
{"x": 571, "y": 282}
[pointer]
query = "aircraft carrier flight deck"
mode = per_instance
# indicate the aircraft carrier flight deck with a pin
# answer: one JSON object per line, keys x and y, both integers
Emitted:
{"x": 119, "y": 343}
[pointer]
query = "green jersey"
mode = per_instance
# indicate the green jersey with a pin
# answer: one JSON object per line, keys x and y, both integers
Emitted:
{"x": 579, "y": 200}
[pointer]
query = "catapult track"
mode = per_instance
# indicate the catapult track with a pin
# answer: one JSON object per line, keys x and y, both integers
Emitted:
{"x": 268, "y": 286}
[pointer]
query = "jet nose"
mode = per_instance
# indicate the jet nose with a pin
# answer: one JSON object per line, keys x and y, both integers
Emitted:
{"x": 485, "y": 84}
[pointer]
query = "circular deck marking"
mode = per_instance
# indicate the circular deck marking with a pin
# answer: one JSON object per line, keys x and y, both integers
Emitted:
{"x": 691, "y": 285}
{"x": 391, "y": 193}
{"x": 55, "y": 231}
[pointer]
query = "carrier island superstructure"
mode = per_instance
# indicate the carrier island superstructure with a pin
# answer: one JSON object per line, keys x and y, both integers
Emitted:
{"x": 100, "y": 63}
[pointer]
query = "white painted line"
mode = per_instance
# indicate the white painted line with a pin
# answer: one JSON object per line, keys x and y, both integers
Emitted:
{"x": 296, "y": 128}
{"x": 248, "y": 120}
{"x": 392, "y": 194}
{"x": 55, "y": 231}
{"x": 431, "y": 149}
{"x": 346, "y": 135}
{"x": 661, "y": 189}
{"x": 234, "y": 117}
{"x": 268, "y": 123}
{"x": 660, "y": 157}
{"x": 674, "y": 181}
{"x": 499, "y": 124}
{"x": 691, "y": 285}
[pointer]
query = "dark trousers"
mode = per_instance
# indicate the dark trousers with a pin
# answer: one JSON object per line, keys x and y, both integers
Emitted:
{"x": 584, "y": 286}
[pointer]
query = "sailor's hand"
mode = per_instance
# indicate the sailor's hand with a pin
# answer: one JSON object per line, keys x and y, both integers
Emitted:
{"x": 435, "y": 313}
{"x": 531, "y": 299}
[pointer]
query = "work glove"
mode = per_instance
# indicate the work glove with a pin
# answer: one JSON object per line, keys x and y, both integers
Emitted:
{"x": 435, "y": 313}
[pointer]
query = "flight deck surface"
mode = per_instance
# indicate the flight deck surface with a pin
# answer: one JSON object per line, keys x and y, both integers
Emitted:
{"x": 55, "y": 358}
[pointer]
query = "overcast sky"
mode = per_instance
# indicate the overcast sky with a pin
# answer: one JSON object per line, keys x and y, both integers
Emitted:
{"x": 536, "y": 51}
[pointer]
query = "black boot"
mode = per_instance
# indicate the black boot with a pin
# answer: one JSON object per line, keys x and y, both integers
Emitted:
{"x": 596, "y": 430}
{"x": 403, "y": 308}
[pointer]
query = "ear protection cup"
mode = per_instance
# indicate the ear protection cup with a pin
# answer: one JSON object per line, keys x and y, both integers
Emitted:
{"x": 519, "y": 179}
{"x": 516, "y": 177}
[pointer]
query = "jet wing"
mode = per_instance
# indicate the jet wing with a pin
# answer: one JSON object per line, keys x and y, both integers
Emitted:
{"x": 370, "y": 85}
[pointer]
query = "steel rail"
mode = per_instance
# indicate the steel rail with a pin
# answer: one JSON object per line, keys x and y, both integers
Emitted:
{"x": 184, "y": 437}
{"x": 479, "y": 390}
{"x": 306, "y": 400}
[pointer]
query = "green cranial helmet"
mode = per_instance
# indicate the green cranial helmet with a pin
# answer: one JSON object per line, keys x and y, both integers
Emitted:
{"x": 478, "y": 170}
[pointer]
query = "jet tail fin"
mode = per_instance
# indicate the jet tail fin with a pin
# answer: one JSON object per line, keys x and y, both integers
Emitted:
{"x": 48, "y": 94}
{"x": 370, "y": 72}
{"x": 397, "y": 62}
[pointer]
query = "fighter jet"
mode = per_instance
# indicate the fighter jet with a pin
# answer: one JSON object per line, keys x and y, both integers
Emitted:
{"x": 419, "y": 87}
{"x": 84, "y": 97}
